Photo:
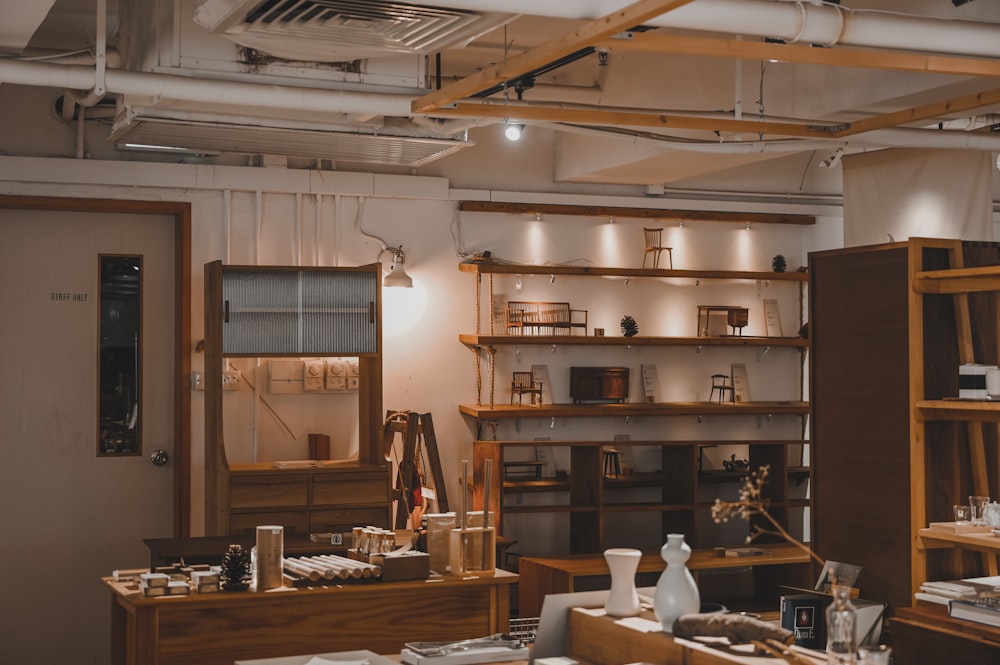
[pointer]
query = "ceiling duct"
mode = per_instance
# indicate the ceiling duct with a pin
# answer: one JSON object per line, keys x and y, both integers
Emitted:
{"x": 342, "y": 146}
{"x": 339, "y": 30}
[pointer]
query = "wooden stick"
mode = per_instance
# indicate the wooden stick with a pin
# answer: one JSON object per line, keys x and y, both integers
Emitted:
{"x": 300, "y": 571}
{"x": 323, "y": 571}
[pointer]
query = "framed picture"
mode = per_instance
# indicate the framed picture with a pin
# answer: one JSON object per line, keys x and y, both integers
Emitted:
{"x": 650, "y": 383}
{"x": 772, "y": 318}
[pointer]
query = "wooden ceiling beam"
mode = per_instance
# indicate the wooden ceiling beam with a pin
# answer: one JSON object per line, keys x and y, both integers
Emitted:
{"x": 585, "y": 35}
{"x": 918, "y": 113}
{"x": 836, "y": 56}
{"x": 609, "y": 118}
{"x": 639, "y": 213}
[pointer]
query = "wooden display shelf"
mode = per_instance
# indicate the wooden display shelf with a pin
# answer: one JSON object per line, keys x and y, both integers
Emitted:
{"x": 498, "y": 411}
{"x": 638, "y": 340}
{"x": 980, "y": 542}
{"x": 520, "y": 269}
{"x": 962, "y": 410}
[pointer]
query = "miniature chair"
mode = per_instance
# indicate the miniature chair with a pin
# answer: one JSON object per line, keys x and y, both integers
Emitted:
{"x": 524, "y": 383}
{"x": 653, "y": 246}
{"x": 720, "y": 383}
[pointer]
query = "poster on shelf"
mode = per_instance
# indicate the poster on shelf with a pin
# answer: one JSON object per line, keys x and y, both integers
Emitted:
{"x": 772, "y": 318}
{"x": 541, "y": 373}
{"x": 651, "y": 383}
{"x": 499, "y": 314}
{"x": 741, "y": 384}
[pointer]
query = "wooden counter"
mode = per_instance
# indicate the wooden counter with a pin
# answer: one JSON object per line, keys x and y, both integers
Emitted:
{"x": 220, "y": 628}
{"x": 597, "y": 639}
{"x": 542, "y": 576}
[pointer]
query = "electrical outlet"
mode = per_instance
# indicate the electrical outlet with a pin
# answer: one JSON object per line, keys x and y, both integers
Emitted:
{"x": 231, "y": 379}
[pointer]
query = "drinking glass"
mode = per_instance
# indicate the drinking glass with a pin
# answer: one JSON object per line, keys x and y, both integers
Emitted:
{"x": 978, "y": 503}
{"x": 874, "y": 655}
{"x": 963, "y": 514}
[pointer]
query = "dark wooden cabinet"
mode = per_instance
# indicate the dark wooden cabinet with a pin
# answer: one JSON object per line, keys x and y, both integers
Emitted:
{"x": 598, "y": 384}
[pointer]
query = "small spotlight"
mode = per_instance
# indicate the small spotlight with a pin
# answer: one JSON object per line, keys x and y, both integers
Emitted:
{"x": 748, "y": 226}
{"x": 513, "y": 130}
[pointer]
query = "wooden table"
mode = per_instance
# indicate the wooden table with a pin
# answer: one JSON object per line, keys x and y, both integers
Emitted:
{"x": 542, "y": 576}
{"x": 597, "y": 639}
{"x": 926, "y": 635}
{"x": 220, "y": 628}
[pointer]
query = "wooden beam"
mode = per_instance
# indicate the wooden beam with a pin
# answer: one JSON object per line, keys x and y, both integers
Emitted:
{"x": 584, "y": 36}
{"x": 615, "y": 118}
{"x": 640, "y": 213}
{"x": 925, "y": 112}
{"x": 837, "y": 56}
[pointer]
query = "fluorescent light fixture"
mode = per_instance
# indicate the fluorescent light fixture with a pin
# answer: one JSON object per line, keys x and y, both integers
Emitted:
{"x": 143, "y": 147}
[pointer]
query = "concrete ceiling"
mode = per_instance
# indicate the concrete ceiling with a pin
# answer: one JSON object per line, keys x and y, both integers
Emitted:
{"x": 680, "y": 109}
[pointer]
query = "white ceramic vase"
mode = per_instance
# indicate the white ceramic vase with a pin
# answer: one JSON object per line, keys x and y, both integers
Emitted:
{"x": 623, "y": 599}
{"x": 676, "y": 591}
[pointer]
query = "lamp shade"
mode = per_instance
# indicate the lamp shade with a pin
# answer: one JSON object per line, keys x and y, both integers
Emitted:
{"x": 397, "y": 277}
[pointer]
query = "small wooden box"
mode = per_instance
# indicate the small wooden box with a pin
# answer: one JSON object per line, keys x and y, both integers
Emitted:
{"x": 401, "y": 566}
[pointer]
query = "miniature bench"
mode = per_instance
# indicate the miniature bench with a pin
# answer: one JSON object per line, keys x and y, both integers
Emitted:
{"x": 544, "y": 318}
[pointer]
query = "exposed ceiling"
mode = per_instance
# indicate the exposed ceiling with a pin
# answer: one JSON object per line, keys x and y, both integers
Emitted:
{"x": 650, "y": 93}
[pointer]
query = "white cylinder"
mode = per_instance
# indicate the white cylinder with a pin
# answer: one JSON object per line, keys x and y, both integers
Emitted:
{"x": 270, "y": 553}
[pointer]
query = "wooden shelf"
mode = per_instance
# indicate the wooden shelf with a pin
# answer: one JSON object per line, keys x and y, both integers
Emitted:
{"x": 958, "y": 280}
{"x": 962, "y": 410}
{"x": 498, "y": 411}
{"x": 979, "y": 542}
{"x": 638, "y": 340}
{"x": 595, "y": 271}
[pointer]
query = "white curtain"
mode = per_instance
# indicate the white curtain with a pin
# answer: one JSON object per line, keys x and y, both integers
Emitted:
{"x": 917, "y": 193}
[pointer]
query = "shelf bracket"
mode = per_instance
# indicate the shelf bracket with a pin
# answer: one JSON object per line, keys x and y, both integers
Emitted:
{"x": 553, "y": 349}
{"x": 698, "y": 349}
{"x": 762, "y": 353}
{"x": 552, "y": 424}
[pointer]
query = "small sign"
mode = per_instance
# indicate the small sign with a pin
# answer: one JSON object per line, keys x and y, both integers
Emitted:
{"x": 741, "y": 384}
{"x": 651, "y": 383}
{"x": 772, "y": 318}
{"x": 62, "y": 296}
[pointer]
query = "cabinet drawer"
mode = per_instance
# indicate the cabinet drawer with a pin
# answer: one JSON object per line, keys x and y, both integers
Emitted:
{"x": 322, "y": 521}
{"x": 294, "y": 521}
{"x": 350, "y": 490}
{"x": 263, "y": 491}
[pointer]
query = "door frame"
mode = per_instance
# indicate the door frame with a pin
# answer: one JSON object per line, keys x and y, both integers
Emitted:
{"x": 181, "y": 213}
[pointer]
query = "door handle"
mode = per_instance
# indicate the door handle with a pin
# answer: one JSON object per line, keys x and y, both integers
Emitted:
{"x": 159, "y": 457}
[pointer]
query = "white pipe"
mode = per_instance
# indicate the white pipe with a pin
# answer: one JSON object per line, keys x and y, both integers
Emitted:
{"x": 809, "y": 23}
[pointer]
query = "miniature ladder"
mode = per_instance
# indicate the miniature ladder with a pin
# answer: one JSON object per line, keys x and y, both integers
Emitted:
{"x": 411, "y": 425}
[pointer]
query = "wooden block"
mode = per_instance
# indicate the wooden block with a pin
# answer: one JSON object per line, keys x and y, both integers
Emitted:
{"x": 408, "y": 565}
{"x": 319, "y": 446}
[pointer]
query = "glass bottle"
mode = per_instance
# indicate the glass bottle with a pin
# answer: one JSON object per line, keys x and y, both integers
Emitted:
{"x": 841, "y": 619}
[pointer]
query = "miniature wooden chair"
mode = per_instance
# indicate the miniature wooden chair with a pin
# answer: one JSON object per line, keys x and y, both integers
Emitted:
{"x": 720, "y": 383}
{"x": 524, "y": 383}
{"x": 654, "y": 247}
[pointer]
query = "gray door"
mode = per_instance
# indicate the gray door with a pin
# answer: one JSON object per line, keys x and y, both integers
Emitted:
{"x": 72, "y": 516}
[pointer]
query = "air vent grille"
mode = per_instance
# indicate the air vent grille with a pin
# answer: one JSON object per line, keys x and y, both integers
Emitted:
{"x": 352, "y": 28}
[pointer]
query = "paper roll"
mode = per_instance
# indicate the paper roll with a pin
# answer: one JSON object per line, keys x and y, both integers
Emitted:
{"x": 270, "y": 552}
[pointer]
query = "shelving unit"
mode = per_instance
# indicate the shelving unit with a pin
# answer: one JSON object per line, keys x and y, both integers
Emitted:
{"x": 295, "y": 312}
{"x": 893, "y": 449}
{"x": 671, "y": 493}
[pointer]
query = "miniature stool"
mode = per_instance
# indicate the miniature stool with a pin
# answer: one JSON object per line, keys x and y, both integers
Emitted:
{"x": 612, "y": 463}
{"x": 720, "y": 383}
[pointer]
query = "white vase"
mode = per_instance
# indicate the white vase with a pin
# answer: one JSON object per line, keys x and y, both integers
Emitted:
{"x": 676, "y": 591}
{"x": 623, "y": 599}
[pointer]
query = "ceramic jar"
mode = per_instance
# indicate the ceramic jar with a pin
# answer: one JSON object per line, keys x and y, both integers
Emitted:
{"x": 623, "y": 599}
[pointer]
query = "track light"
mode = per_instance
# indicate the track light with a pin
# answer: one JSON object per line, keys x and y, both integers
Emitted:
{"x": 513, "y": 130}
{"x": 833, "y": 160}
{"x": 397, "y": 273}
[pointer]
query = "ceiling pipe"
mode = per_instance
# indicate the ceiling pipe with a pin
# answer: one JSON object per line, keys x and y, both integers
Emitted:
{"x": 91, "y": 97}
{"x": 824, "y": 24}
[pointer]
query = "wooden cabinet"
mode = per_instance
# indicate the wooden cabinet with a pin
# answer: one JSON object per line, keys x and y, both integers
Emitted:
{"x": 295, "y": 312}
{"x": 672, "y": 493}
{"x": 893, "y": 447}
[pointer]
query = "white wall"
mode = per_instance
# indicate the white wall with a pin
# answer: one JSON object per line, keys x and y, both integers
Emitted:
{"x": 426, "y": 368}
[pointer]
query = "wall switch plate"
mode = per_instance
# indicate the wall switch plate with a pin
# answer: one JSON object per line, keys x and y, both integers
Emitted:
{"x": 231, "y": 379}
{"x": 197, "y": 380}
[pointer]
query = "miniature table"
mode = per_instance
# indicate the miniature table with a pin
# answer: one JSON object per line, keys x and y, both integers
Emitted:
{"x": 220, "y": 628}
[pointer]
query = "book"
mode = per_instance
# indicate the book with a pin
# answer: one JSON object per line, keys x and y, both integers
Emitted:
{"x": 803, "y": 615}
{"x": 941, "y": 592}
{"x": 746, "y": 551}
{"x": 984, "y": 609}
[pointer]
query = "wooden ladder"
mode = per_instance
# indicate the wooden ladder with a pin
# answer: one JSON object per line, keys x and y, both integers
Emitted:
{"x": 411, "y": 426}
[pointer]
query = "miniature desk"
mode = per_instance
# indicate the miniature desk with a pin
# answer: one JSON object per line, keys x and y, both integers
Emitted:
{"x": 220, "y": 628}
